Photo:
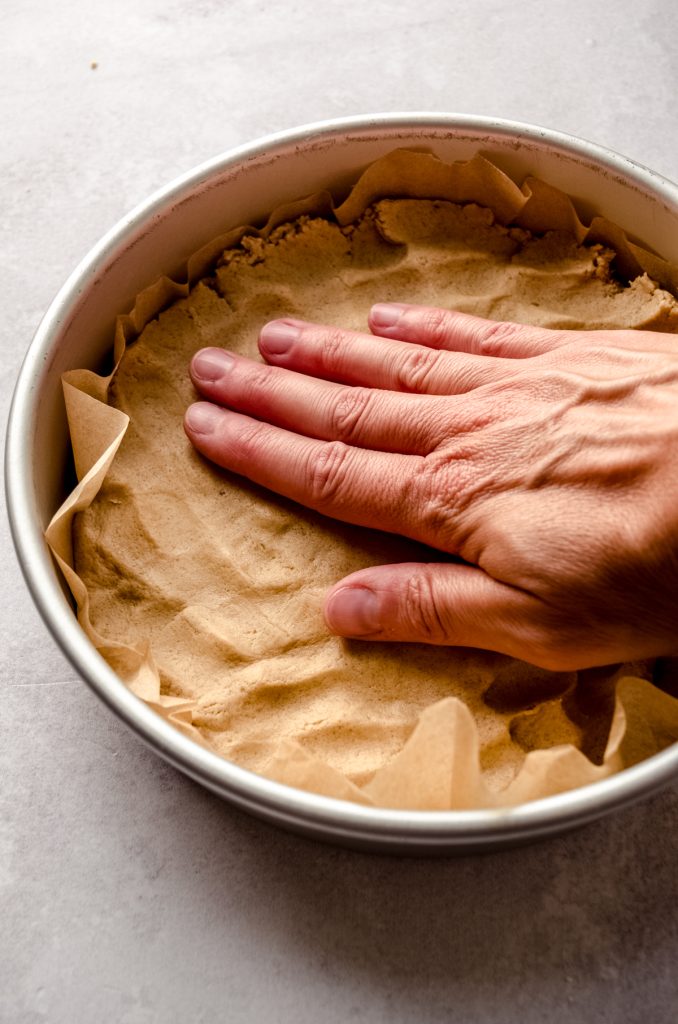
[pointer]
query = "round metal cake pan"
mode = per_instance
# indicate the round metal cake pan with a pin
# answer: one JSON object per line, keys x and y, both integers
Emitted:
{"x": 242, "y": 186}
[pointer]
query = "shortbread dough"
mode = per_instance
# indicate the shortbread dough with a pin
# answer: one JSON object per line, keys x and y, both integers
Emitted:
{"x": 226, "y": 581}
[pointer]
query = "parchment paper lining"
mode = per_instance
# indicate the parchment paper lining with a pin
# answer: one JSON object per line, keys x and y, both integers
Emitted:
{"x": 439, "y": 765}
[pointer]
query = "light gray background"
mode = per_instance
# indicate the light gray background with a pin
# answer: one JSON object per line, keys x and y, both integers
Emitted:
{"x": 127, "y": 894}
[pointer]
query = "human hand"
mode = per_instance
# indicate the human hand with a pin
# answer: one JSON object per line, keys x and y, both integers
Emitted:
{"x": 546, "y": 460}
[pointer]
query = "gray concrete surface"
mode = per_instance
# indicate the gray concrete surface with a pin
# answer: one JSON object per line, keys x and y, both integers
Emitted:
{"x": 127, "y": 894}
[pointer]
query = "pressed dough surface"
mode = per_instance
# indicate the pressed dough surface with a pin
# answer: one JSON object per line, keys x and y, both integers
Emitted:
{"x": 226, "y": 580}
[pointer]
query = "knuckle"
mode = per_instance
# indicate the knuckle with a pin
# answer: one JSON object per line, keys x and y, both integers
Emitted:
{"x": 440, "y": 493}
{"x": 251, "y": 438}
{"x": 496, "y": 338}
{"x": 332, "y": 345}
{"x": 258, "y": 382}
{"x": 435, "y": 512}
{"x": 435, "y": 325}
{"x": 326, "y": 472}
{"x": 415, "y": 367}
{"x": 505, "y": 338}
{"x": 349, "y": 411}
{"x": 421, "y": 608}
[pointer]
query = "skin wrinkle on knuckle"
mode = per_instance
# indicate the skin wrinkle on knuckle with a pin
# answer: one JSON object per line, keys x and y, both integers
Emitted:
{"x": 330, "y": 344}
{"x": 494, "y": 338}
{"x": 350, "y": 409}
{"x": 435, "y": 325}
{"x": 421, "y": 611}
{"x": 503, "y": 337}
{"x": 414, "y": 368}
{"x": 247, "y": 441}
{"x": 258, "y": 383}
{"x": 326, "y": 472}
{"x": 428, "y": 500}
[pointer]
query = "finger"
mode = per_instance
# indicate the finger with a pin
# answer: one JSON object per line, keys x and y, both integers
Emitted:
{"x": 363, "y": 487}
{"x": 460, "y": 332}
{"x": 352, "y": 358}
{"x": 457, "y": 605}
{"x": 360, "y": 416}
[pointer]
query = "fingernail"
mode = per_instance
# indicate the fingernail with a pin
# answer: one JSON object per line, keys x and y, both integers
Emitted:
{"x": 201, "y": 418}
{"x": 386, "y": 314}
{"x": 278, "y": 336}
{"x": 211, "y": 364}
{"x": 353, "y": 611}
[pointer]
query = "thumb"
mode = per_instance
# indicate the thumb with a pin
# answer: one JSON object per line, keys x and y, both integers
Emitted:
{"x": 444, "y": 603}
